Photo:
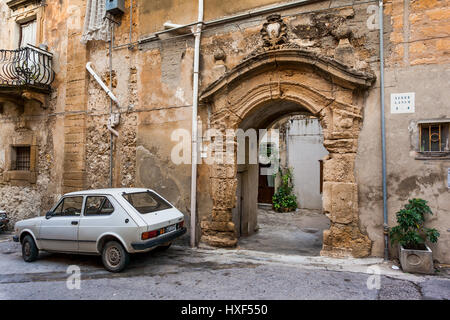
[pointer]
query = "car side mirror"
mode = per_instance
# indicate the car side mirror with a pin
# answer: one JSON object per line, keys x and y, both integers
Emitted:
{"x": 48, "y": 215}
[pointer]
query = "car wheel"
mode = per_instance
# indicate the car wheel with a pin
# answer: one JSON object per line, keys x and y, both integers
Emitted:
{"x": 30, "y": 251}
{"x": 114, "y": 256}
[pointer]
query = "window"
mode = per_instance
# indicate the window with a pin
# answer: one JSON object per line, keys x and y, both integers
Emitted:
{"x": 146, "y": 202}
{"x": 21, "y": 158}
{"x": 434, "y": 138}
{"x": 27, "y": 34}
{"x": 70, "y": 206}
{"x": 98, "y": 206}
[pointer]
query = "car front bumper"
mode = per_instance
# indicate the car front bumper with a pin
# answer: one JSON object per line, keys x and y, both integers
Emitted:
{"x": 158, "y": 241}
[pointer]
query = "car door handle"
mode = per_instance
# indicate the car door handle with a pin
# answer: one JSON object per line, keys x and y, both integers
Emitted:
{"x": 74, "y": 223}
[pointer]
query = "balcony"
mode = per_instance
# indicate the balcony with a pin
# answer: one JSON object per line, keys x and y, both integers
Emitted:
{"x": 26, "y": 69}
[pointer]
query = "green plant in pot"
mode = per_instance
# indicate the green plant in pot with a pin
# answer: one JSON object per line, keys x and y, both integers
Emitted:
{"x": 411, "y": 235}
{"x": 284, "y": 200}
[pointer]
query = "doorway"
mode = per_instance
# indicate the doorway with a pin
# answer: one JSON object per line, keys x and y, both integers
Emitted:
{"x": 299, "y": 147}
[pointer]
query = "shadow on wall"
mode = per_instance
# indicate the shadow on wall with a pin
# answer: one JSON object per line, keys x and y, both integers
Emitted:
{"x": 155, "y": 174}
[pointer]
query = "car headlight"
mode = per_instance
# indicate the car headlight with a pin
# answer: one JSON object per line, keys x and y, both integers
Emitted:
{"x": 3, "y": 215}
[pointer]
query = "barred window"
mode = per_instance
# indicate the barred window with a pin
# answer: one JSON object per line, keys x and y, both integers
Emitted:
{"x": 21, "y": 158}
{"x": 434, "y": 137}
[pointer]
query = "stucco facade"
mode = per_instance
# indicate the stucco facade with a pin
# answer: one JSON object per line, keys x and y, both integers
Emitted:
{"x": 326, "y": 63}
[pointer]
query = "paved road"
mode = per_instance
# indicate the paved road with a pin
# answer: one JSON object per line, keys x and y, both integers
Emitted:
{"x": 183, "y": 273}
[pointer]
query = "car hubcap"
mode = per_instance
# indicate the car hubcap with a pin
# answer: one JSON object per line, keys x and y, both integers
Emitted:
{"x": 113, "y": 256}
{"x": 27, "y": 248}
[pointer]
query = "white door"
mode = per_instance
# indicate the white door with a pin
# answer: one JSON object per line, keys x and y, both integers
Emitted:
{"x": 60, "y": 231}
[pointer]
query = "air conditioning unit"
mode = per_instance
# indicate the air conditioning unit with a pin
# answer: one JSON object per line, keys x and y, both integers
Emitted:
{"x": 115, "y": 6}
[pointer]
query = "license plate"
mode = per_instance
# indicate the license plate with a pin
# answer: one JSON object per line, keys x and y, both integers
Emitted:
{"x": 171, "y": 228}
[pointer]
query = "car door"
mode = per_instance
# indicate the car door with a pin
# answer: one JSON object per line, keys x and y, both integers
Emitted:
{"x": 97, "y": 219}
{"x": 60, "y": 231}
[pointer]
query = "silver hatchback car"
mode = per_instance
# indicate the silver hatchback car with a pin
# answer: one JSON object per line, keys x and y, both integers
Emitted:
{"x": 109, "y": 222}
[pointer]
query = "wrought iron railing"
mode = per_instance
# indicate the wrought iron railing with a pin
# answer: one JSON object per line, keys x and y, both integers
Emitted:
{"x": 26, "y": 67}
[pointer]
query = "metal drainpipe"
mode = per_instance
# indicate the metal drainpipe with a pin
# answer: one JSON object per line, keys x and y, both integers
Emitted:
{"x": 111, "y": 142}
{"x": 383, "y": 134}
{"x": 194, "y": 150}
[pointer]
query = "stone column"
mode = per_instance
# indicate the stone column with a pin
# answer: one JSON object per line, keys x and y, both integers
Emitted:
{"x": 219, "y": 230}
{"x": 340, "y": 191}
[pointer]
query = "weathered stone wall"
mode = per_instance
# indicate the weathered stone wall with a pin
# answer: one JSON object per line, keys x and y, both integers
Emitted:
{"x": 417, "y": 60}
{"x": 26, "y": 198}
{"x": 153, "y": 82}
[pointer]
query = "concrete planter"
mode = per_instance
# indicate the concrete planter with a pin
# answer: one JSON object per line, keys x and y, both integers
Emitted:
{"x": 416, "y": 261}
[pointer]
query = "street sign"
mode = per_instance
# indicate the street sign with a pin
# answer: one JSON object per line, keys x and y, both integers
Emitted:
{"x": 403, "y": 102}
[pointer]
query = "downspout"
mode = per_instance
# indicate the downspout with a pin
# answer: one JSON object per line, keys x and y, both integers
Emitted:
{"x": 111, "y": 141}
{"x": 194, "y": 147}
{"x": 383, "y": 134}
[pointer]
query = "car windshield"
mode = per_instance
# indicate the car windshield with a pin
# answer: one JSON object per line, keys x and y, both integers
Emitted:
{"x": 146, "y": 202}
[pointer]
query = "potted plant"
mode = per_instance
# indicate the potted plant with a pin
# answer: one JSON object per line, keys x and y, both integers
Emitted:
{"x": 284, "y": 200}
{"x": 411, "y": 235}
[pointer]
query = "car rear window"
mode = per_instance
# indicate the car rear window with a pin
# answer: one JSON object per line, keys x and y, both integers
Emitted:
{"x": 146, "y": 202}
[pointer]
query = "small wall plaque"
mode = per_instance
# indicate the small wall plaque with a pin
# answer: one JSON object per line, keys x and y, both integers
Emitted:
{"x": 403, "y": 102}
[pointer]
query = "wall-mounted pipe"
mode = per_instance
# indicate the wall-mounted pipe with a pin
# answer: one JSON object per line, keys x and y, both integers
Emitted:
{"x": 114, "y": 132}
{"x": 101, "y": 83}
{"x": 383, "y": 134}
{"x": 194, "y": 151}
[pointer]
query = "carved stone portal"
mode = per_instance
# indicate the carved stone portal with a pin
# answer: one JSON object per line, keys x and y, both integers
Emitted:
{"x": 321, "y": 85}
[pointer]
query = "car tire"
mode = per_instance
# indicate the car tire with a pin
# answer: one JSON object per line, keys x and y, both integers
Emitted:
{"x": 114, "y": 256}
{"x": 30, "y": 251}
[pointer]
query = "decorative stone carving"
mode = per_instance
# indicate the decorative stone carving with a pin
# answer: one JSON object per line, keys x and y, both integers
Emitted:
{"x": 219, "y": 55}
{"x": 274, "y": 33}
{"x": 219, "y": 68}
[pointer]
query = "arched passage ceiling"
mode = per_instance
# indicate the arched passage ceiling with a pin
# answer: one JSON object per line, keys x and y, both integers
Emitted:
{"x": 265, "y": 114}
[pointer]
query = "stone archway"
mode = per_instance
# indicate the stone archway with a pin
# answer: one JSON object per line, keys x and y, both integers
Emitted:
{"x": 327, "y": 89}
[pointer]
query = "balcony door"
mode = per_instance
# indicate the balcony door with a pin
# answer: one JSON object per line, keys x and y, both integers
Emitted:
{"x": 28, "y": 33}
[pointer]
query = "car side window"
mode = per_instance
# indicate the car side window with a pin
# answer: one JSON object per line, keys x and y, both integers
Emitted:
{"x": 98, "y": 205}
{"x": 70, "y": 206}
